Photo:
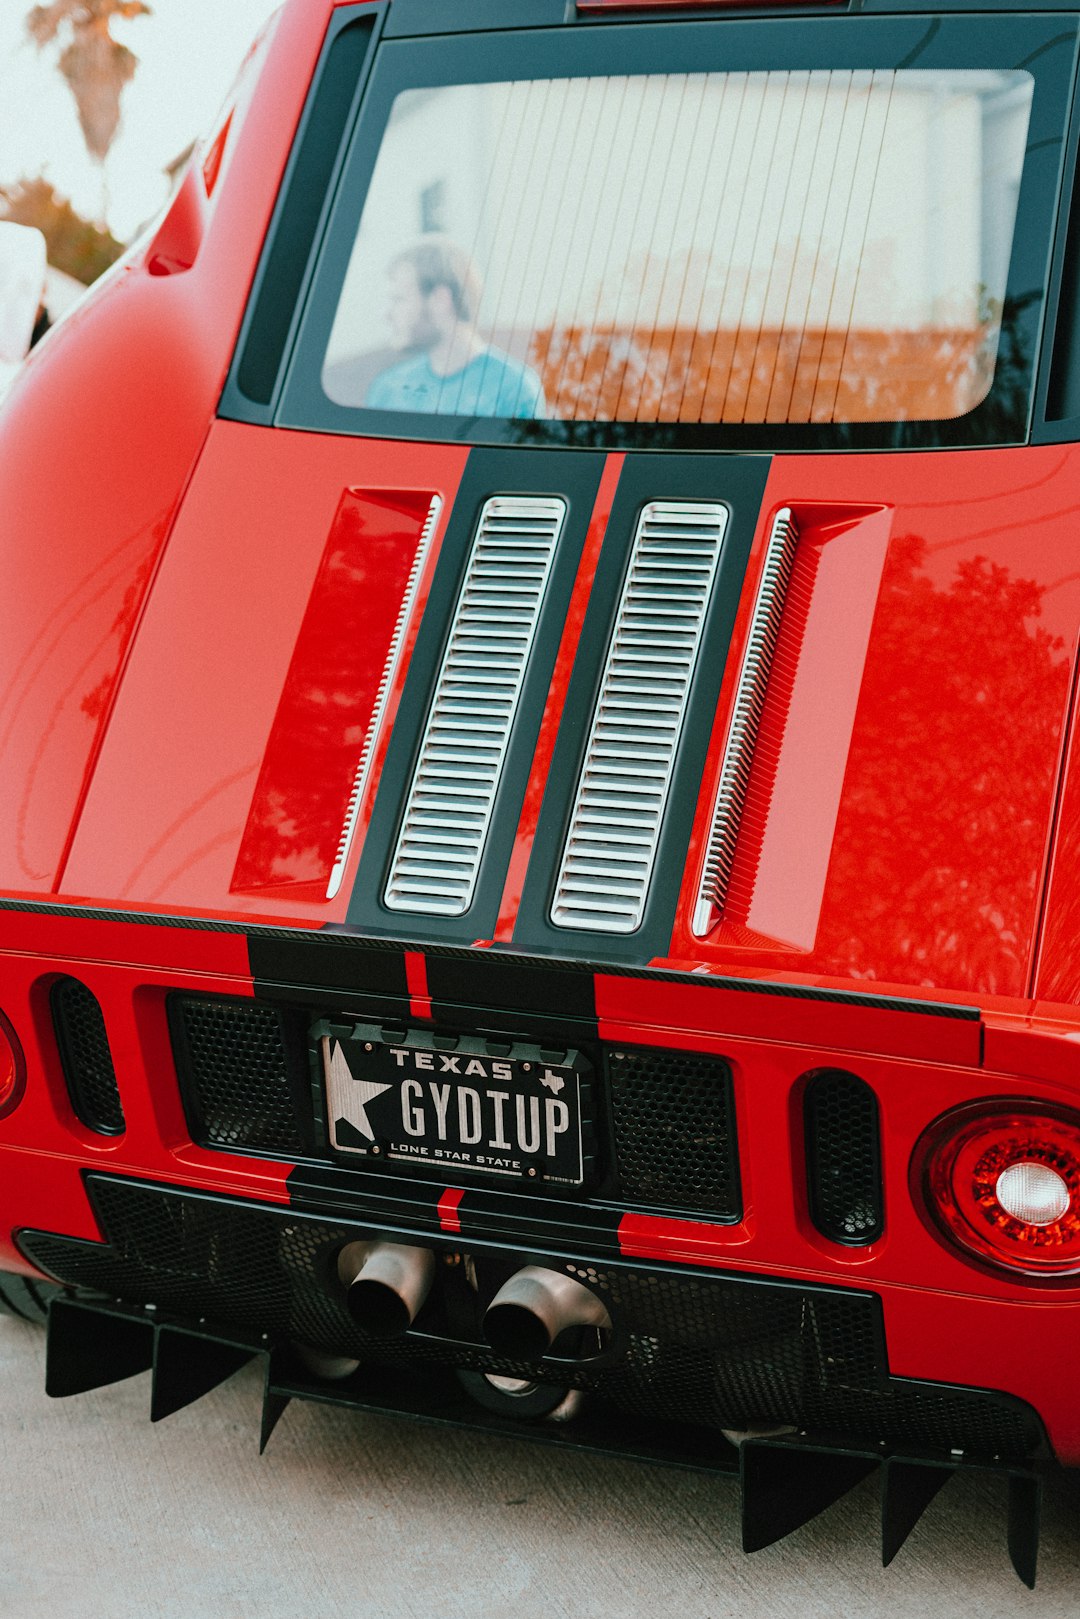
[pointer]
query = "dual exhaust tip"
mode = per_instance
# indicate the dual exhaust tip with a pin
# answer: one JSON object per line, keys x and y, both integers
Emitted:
{"x": 387, "y": 1283}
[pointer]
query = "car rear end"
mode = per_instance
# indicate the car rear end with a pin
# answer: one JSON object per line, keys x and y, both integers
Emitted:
{"x": 540, "y": 854}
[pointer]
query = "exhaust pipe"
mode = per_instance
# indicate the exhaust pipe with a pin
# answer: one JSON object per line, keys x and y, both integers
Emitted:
{"x": 526, "y": 1316}
{"x": 386, "y": 1284}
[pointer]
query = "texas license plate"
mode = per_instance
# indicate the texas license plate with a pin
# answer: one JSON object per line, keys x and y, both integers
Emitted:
{"x": 451, "y": 1104}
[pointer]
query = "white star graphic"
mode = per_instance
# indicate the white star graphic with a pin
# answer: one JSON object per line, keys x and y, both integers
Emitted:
{"x": 349, "y": 1097}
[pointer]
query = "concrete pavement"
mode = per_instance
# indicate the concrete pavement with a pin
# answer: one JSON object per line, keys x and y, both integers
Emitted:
{"x": 108, "y": 1517}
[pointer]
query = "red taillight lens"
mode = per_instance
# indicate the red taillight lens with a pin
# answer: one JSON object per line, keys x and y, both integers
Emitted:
{"x": 12, "y": 1068}
{"x": 1003, "y": 1182}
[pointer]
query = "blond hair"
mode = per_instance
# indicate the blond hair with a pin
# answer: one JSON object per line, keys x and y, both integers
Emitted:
{"x": 438, "y": 261}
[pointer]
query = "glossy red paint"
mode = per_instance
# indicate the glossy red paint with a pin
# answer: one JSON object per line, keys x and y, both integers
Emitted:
{"x": 130, "y": 968}
{"x": 1057, "y": 976}
{"x": 86, "y": 515}
{"x": 660, "y": 1005}
{"x": 211, "y": 786}
{"x": 215, "y": 155}
{"x": 797, "y": 775}
{"x": 12, "y": 1068}
{"x": 417, "y": 980}
{"x": 328, "y": 702}
{"x": 449, "y": 1204}
{"x": 903, "y": 802}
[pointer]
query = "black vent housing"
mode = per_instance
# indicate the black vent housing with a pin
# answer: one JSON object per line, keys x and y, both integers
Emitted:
{"x": 675, "y": 1142}
{"x": 234, "y": 1074}
{"x": 843, "y": 1158}
{"x": 711, "y": 1350}
{"x": 85, "y": 1057}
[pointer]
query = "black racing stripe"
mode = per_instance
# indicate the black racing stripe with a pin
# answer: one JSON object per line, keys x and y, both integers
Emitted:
{"x": 383, "y": 1199}
{"x": 322, "y": 961}
{"x": 539, "y": 1222}
{"x": 481, "y": 978}
{"x": 488, "y": 473}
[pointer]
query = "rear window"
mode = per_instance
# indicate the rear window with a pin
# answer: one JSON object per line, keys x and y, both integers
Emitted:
{"x": 708, "y": 247}
{"x": 752, "y": 235}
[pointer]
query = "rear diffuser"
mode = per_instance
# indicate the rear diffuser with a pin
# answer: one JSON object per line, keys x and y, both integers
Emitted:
{"x": 785, "y": 1481}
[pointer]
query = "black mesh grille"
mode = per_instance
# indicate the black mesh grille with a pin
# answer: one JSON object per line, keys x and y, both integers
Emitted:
{"x": 675, "y": 1131}
{"x": 230, "y": 1056}
{"x": 86, "y": 1058}
{"x": 706, "y": 1350}
{"x": 843, "y": 1158}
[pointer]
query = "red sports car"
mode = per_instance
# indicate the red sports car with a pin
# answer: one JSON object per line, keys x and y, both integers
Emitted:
{"x": 539, "y": 778}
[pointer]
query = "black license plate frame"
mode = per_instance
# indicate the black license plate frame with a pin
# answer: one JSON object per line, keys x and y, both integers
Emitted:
{"x": 499, "y": 1111}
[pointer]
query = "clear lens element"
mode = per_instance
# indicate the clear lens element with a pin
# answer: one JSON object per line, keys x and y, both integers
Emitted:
{"x": 1033, "y": 1193}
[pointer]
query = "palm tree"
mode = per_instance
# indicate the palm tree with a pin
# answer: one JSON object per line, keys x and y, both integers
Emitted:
{"x": 96, "y": 66}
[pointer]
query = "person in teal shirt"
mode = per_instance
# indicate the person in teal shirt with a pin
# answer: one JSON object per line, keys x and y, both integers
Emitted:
{"x": 434, "y": 293}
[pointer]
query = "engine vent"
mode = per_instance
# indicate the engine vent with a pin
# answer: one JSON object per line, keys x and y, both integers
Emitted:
{"x": 843, "y": 1159}
{"x": 382, "y": 697}
{"x": 610, "y": 850}
{"x": 746, "y": 718}
{"x": 85, "y": 1057}
{"x": 452, "y": 796}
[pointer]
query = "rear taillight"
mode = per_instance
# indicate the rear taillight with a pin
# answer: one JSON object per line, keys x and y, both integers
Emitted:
{"x": 1002, "y": 1181}
{"x": 12, "y": 1068}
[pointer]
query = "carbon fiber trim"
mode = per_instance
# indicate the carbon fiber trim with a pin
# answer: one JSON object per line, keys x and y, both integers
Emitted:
{"x": 330, "y": 938}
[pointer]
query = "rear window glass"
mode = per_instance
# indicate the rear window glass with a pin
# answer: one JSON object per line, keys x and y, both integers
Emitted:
{"x": 814, "y": 247}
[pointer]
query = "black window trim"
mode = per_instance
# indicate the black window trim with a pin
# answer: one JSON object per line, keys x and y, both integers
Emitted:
{"x": 324, "y": 135}
{"x": 1043, "y": 44}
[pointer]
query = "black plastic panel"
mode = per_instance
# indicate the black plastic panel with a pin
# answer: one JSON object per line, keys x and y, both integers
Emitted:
{"x": 231, "y": 1062}
{"x": 86, "y": 1058}
{"x": 294, "y": 230}
{"x": 674, "y": 1123}
{"x": 843, "y": 1158}
{"x": 704, "y": 1349}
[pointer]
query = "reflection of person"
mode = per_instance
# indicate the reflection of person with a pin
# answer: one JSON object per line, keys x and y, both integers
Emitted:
{"x": 434, "y": 293}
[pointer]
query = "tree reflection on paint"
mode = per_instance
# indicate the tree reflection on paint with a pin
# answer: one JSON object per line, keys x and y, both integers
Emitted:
{"x": 940, "y": 839}
{"x": 330, "y": 692}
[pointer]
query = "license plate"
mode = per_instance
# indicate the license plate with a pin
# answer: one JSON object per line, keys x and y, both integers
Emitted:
{"x": 452, "y": 1105}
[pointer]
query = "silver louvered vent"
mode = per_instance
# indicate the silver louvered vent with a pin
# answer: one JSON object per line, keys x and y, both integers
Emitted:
{"x": 452, "y": 795}
{"x": 610, "y": 851}
{"x": 382, "y": 697}
{"x": 746, "y": 718}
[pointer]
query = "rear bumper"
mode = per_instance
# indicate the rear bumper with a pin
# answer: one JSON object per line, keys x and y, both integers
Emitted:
{"x": 702, "y": 1349}
{"x": 728, "y": 1321}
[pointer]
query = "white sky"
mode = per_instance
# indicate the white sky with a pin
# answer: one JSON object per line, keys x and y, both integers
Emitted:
{"x": 188, "y": 51}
